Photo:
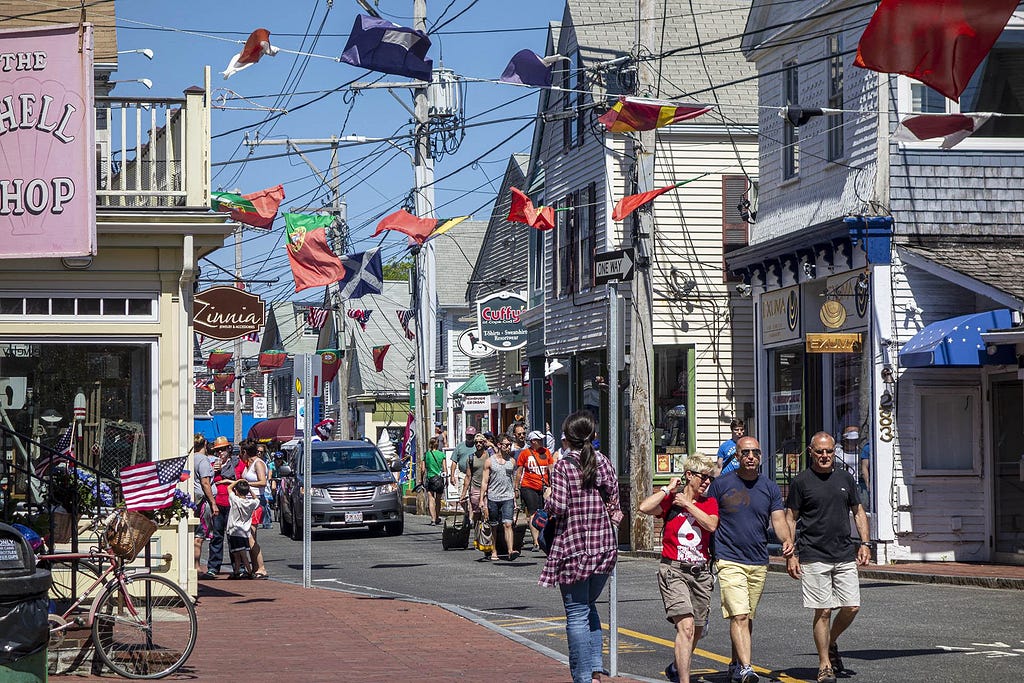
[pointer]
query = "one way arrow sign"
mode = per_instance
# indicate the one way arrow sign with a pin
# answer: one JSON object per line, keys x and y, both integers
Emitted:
{"x": 613, "y": 265}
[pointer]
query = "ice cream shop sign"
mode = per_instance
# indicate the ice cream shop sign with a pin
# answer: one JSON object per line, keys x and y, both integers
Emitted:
{"x": 47, "y": 148}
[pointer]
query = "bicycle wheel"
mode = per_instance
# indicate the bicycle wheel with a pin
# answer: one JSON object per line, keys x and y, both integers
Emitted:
{"x": 61, "y": 587}
{"x": 146, "y": 628}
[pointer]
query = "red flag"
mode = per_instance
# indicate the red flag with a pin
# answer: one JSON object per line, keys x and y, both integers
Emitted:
{"x": 223, "y": 381}
{"x": 257, "y": 45}
{"x": 403, "y": 221}
{"x": 272, "y": 359}
{"x": 218, "y": 360}
{"x": 522, "y": 211}
{"x": 631, "y": 114}
{"x": 628, "y": 205}
{"x": 938, "y": 42}
{"x": 952, "y": 128}
{"x": 312, "y": 261}
{"x": 331, "y": 361}
{"x": 378, "y": 356}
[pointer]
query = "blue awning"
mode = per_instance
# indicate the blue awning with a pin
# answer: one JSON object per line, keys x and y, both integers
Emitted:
{"x": 957, "y": 342}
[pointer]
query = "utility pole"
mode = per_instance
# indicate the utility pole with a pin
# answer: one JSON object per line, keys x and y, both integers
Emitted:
{"x": 425, "y": 294}
{"x": 339, "y": 243}
{"x": 239, "y": 380}
{"x": 642, "y": 341}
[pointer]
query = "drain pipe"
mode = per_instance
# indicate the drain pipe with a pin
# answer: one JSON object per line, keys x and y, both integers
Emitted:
{"x": 188, "y": 266}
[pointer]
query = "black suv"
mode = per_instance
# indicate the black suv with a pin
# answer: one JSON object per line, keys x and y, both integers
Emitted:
{"x": 351, "y": 486}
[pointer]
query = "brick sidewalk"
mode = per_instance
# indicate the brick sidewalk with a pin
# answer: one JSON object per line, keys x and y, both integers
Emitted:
{"x": 278, "y": 631}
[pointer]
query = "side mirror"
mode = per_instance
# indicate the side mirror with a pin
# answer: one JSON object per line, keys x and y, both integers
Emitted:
{"x": 285, "y": 471}
{"x": 396, "y": 465}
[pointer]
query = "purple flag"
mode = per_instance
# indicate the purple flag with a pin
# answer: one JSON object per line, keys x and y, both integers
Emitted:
{"x": 529, "y": 68}
{"x": 380, "y": 45}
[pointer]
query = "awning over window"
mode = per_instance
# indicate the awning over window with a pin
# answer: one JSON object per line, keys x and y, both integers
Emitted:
{"x": 275, "y": 429}
{"x": 477, "y": 384}
{"x": 957, "y": 342}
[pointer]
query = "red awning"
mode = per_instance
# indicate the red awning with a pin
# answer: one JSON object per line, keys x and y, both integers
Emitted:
{"x": 275, "y": 429}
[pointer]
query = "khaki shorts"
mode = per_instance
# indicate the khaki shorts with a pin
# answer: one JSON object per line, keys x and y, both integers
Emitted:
{"x": 741, "y": 586}
{"x": 685, "y": 593}
{"x": 826, "y": 585}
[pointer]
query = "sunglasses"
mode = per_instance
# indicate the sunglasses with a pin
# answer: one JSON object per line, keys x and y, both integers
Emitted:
{"x": 821, "y": 451}
{"x": 703, "y": 477}
{"x": 751, "y": 451}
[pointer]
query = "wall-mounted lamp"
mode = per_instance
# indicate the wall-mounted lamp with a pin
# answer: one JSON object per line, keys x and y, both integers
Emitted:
{"x": 145, "y": 51}
{"x": 862, "y": 282}
{"x": 887, "y": 376}
{"x": 743, "y": 289}
{"x": 689, "y": 285}
{"x": 810, "y": 270}
{"x": 144, "y": 81}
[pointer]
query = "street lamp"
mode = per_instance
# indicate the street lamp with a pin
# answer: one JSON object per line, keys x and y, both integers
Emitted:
{"x": 145, "y": 51}
{"x": 144, "y": 81}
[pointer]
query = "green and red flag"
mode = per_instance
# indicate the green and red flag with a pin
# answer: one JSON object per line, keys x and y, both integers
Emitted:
{"x": 218, "y": 359}
{"x": 330, "y": 359}
{"x": 628, "y": 205}
{"x": 257, "y": 209}
{"x": 312, "y": 261}
{"x": 378, "y": 356}
{"x": 521, "y": 210}
{"x": 272, "y": 358}
{"x": 631, "y": 114}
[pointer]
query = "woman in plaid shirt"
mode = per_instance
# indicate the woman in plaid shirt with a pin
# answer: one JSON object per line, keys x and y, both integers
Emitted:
{"x": 583, "y": 501}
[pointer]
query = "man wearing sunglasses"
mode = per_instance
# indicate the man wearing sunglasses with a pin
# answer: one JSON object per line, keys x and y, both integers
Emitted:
{"x": 820, "y": 501}
{"x": 747, "y": 503}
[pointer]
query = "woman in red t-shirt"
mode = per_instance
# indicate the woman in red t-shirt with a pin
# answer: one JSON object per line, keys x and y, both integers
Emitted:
{"x": 534, "y": 466}
{"x": 684, "y": 576}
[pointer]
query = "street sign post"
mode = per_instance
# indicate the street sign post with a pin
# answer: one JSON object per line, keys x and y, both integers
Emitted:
{"x": 613, "y": 266}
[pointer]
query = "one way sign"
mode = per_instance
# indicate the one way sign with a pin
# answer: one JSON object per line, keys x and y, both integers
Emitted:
{"x": 613, "y": 265}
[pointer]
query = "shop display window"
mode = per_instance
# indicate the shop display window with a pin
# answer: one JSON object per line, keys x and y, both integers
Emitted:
{"x": 672, "y": 406}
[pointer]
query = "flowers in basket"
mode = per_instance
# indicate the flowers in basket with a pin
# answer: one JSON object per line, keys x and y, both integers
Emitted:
{"x": 77, "y": 490}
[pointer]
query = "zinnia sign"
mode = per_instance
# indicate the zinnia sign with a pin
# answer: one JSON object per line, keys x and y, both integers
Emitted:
{"x": 500, "y": 319}
{"x": 227, "y": 313}
{"x": 47, "y": 148}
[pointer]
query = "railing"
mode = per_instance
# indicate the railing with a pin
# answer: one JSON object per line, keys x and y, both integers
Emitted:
{"x": 150, "y": 151}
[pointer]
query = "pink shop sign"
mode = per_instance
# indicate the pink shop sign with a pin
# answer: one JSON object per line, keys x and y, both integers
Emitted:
{"x": 47, "y": 143}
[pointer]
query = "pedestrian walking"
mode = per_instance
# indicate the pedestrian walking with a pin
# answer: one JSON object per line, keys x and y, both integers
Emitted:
{"x": 497, "y": 496}
{"x": 432, "y": 477}
{"x": 473, "y": 482}
{"x": 202, "y": 494}
{"x": 684, "y": 576}
{"x": 747, "y": 503}
{"x": 584, "y": 504}
{"x": 727, "y": 460}
{"x": 224, "y": 473}
{"x": 254, "y": 471}
{"x": 534, "y": 472}
{"x": 818, "y": 507}
{"x": 463, "y": 452}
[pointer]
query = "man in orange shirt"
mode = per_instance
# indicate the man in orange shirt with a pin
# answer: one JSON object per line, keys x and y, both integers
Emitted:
{"x": 534, "y": 465}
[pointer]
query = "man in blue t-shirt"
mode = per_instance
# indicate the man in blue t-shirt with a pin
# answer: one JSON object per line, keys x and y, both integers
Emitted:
{"x": 727, "y": 460}
{"x": 747, "y": 503}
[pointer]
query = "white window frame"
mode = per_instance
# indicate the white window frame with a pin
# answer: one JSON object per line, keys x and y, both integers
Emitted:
{"x": 974, "y": 393}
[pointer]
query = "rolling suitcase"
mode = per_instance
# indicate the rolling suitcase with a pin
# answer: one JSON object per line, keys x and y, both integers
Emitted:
{"x": 455, "y": 533}
{"x": 518, "y": 533}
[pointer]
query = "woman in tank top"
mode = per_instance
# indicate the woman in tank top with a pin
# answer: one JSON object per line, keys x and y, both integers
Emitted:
{"x": 254, "y": 471}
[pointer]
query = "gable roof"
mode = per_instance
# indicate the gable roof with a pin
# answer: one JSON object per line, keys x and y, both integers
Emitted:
{"x": 502, "y": 262}
{"x": 286, "y": 322}
{"x": 974, "y": 257}
{"x": 382, "y": 328}
{"x": 455, "y": 254}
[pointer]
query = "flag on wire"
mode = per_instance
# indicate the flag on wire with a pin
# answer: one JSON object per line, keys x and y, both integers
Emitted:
{"x": 258, "y": 209}
{"x": 415, "y": 227}
{"x": 380, "y": 45}
{"x": 631, "y": 114}
{"x": 521, "y": 210}
{"x": 255, "y": 47}
{"x": 938, "y": 42}
{"x": 150, "y": 485}
{"x": 378, "y": 356}
{"x": 316, "y": 317}
{"x": 330, "y": 359}
{"x": 205, "y": 384}
{"x": 952, "y": 128}
{"x": 218, "y": 359}
{"x": 360, "y": 316}
{"x": 252, "y": 336}
{"x": 63, "y": 452}
{"x": 529, "y": 68}
{"x": 364, "y": 274}
{"x": 404, "y": 317}
{"x": 312, "y": 262}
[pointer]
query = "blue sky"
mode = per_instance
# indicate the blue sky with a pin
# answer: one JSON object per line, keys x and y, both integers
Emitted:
{"x": 187, "y": 35}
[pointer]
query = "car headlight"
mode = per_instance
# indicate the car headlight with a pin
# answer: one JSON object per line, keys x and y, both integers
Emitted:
{"x": 318, "y": 492}
{"x": 385, "y": 489}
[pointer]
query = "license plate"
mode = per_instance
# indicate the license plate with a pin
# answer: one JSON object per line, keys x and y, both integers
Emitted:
{"x": 353, "y": 518}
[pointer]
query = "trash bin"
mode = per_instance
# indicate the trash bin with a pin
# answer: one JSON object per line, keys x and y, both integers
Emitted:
{"x": 24, "y": 600}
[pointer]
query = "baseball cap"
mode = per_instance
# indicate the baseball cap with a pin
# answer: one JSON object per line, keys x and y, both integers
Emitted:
{"x": 470, "y": 431}
{"x": 535, "y": 435}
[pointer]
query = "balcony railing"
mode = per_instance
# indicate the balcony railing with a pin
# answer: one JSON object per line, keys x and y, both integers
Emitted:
{"x": 152, "y": 152}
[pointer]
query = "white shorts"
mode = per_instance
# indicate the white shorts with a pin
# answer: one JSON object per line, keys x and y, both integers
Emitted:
{"x": 826, "y": 585}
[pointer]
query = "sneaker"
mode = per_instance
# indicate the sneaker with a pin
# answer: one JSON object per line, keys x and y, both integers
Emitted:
{"x": 826, "y": 675}
{"x": 834, "y": 659}
{"x": 734, "y": 671}
{"x": 672, "y": 673}
{"x": 747, "y": 675}
{"x": 209, "y": 574}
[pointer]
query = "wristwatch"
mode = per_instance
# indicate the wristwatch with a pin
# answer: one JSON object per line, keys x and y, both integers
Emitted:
{"x": 665, "y": 490}
{"x": 866, "y": 543}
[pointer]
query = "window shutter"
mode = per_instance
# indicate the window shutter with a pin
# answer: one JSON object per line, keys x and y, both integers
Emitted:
{"x": 734, "y": 227}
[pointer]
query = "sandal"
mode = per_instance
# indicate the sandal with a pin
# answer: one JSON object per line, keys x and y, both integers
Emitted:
{"x": 261, "y": 575}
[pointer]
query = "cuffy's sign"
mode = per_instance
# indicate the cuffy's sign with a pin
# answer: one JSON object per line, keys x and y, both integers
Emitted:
{"x": 499, "y": 317}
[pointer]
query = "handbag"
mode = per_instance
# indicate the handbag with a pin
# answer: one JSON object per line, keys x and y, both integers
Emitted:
{"x": 435, "y": 484}
{"x": 484, "y": 540}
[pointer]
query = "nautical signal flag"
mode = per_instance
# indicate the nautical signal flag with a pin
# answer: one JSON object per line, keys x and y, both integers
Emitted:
{"x": 419, "y": 229}
{"x": 378, "y": 356}
{"x": 952, "y": 128}
{"x": 257, "y": 209}
{"x": 528, "y": 68}
{"x": 631, "y": 114}
{"x": 938, "y": 42}
{"x": 255, "y": 47}
{"x": 312, "y": 261}
{"x": 379, "y": 45}
{"x": 150, "y": 485}
{"x": 521, "y": 210}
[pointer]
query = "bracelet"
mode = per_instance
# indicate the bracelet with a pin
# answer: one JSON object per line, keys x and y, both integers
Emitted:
{"x": 866, "y": 543}
{"x": 664, "y": 489}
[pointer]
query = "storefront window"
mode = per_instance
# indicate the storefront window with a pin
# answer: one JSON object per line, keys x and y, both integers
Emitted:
{"x": 786, "y": 412}
{"x": 39, "y": 383}
{"x": 671, "y": 408}
{"x": 851, "y": 400}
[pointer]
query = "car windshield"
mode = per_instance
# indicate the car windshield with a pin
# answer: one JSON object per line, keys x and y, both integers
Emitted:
{"x": 347, "y": 460}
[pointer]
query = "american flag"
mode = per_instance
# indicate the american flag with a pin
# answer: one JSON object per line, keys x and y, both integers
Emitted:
{"x": 316, "y": 317}
{"x": 253, "y": 337}
{"x": 360, "y": 316}
{"x": 150, "y": 485}
{"x": 404, "y": 317}
{"x": 65, "y": 451}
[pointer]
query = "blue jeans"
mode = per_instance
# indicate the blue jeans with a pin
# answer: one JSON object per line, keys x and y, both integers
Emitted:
{"x": 216, "y": 554}
{"x": 583, "y": 626}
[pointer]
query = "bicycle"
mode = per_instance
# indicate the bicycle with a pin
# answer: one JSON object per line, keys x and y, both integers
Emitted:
{"x": 142, "y": 625}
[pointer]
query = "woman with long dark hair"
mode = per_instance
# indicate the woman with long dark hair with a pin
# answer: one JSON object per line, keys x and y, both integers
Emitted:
{"x": 583, "y": 502}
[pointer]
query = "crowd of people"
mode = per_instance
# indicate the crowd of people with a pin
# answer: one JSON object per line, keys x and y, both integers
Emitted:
{"x": 233, "y": 493}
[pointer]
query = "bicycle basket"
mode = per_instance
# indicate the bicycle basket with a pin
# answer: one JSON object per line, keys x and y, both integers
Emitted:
{"x": 127, "y": 533}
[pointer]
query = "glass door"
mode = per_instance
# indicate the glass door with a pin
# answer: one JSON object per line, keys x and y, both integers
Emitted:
{"x": 785, "y": 415}
{"x": 1008, "y": 470}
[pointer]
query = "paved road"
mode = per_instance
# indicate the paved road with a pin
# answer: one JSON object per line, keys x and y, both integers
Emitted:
{"x": 905, "y": 632}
